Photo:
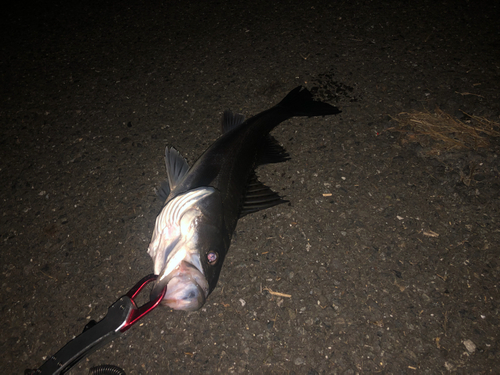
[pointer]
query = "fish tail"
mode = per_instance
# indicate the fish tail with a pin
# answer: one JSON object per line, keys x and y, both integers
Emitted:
{"x": 299, "y": 102}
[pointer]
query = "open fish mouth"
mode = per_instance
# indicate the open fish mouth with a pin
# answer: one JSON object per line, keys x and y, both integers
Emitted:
{"x": 187, "y": 287}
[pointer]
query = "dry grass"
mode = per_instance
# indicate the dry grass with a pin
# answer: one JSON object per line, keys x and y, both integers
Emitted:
{"x": 441, "y": 132}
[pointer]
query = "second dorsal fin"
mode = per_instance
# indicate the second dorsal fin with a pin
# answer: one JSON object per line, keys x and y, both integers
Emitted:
{"x": 272, "y": 152}
{"x": 259, "y": 197}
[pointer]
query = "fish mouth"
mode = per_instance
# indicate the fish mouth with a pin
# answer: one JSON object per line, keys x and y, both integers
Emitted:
{"x": 187, "y": 287}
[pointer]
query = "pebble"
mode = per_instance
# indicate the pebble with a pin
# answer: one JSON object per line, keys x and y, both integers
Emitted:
{"x": 470, "y": 346}
{"x": 299, "y": 361}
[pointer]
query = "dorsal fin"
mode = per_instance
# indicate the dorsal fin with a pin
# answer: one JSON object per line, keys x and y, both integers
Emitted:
{"x": 231, "y": 121}
{"x": 259, "y": 197}
{"x": 163, "y": 190}
{"x": 272, "y": 152}
{"x": 177, "y": 168}
{"x": 176, "y": 165}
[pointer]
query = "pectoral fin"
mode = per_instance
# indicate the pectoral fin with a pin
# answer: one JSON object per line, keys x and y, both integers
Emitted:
{"x": 231, "y": 121}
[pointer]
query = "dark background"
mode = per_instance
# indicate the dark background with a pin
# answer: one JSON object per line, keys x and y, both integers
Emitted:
{"x": 92, "y": 92}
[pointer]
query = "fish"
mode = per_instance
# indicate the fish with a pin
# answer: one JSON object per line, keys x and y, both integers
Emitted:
{"x": 203, "y": 203}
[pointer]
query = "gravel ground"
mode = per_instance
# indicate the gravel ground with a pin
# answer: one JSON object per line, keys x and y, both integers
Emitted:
{"x": 390, "y": 255}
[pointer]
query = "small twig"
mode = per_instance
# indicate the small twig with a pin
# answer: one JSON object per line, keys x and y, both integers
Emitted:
{"x": 430, "y": 233}
{"x": 441, "y": 277}
{"x": 468, "y": 93}
{"x": 278, "y": 293}
{"x": 48, "y": 275}
{"x": 445, "y": 322}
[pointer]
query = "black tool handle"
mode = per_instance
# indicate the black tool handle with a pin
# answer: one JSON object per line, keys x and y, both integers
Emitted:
{"x": 90, "y": 340}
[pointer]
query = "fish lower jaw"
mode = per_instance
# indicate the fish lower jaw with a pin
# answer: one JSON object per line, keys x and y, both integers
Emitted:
{"x": 182, "y": 296}
{"x": 175, "y": 304}
{"x": 187, "y": 287}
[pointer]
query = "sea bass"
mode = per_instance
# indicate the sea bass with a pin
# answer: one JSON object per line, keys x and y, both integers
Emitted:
{"x": 203, "y": 203}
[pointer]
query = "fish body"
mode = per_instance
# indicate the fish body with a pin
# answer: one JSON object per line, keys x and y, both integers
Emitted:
{"x": 203, "y": 203}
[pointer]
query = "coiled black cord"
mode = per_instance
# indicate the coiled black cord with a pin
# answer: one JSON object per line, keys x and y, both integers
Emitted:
{"x": 106, "y": 370}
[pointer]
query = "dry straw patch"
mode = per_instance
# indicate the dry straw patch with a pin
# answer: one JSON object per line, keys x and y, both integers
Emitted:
{"x": 441, "y": 132}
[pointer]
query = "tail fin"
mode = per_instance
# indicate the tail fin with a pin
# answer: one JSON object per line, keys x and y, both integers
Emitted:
{"x": 300, "y": 102}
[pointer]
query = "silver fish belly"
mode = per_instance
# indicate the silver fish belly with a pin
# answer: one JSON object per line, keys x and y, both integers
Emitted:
{"x": 178, "y": 263}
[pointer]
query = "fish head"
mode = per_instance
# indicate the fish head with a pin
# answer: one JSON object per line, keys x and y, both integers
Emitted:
{"x": 186, "y": 249}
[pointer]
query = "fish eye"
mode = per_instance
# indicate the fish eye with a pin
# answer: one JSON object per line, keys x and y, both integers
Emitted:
{"x": 212, "y": 257}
